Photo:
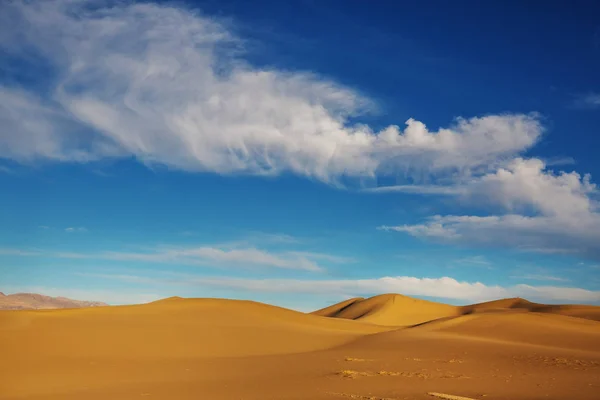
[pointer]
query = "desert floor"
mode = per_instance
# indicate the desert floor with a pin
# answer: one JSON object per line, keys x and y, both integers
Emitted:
{"x": 387, "y": 347}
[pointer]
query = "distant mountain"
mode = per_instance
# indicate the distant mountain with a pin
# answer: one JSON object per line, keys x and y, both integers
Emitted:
{"x": 34, "y": 301}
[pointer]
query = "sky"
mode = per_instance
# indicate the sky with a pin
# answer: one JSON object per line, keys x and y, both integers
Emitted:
{"x": 300, "y": 153}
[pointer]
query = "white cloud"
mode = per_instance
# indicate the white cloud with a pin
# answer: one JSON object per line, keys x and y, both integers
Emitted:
{"x": 32, "y": 128}
{"x": 526, "y": 183}
{"x": 72, "y": 229}
{"x": 168, "y": 86}
{"x": 323, "y": 256}
{"x": 203, "y": 255}
{"x": 535, "y": 277}
{"x": 590, "y": 100}
{"x": 444, "y": 287}
{"x": 547, "y": 212}
{"x": 418, "y": 189}
{"x": 540, "y": 234}
{"x": 246, "y": 257}
{"x": 478, "y": 261}
{"x": 241, "y": 257}
{"x": 6, "y": 170}
{"x": 272, "y": 238}
{"x": 18, "y": 252}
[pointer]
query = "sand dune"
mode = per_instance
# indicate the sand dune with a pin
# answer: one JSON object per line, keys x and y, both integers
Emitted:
{"x": 398, "y": 310}
{"x": 389, "y": 310}
{"x": 515, "y": 303}
{"x": 34, "y": 301}
{"x": 579, "y": 311}
{"x": 182, "y": 327}
{"x": 335, "y": 309}
{"x": 525, "y": 328}
{"x": 386, "y": 347}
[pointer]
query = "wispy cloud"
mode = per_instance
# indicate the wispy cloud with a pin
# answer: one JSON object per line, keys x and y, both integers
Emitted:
{"x": 418, "y": 189}
{"x": 477, "y": 261}
{"x": 444, "y": 287}
{"x": 324, "y": 257}
{"x": 589, "y": 100}
{"x": 156, "y": 82}
{"x": 241, "y": 257}
{"x": 72, "y": 229}
{"x": 18, "y": 252}
{"x": 258, "y": 237}
{"x": 563, "y": 213}
{"x": 534, "y": 277}
{"x": 246, "y": 257}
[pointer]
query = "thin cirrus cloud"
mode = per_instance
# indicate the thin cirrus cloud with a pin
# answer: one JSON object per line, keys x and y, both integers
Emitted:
{"x": 445, "y": 287}
{"x": 476, "y": 261}
{"x": 590, "y": 100}
{"x": 158, "y": 82}
{"x": 245, "y": 256}
{"x": 205, "y": 256}
{"x": 75, "y": 229}
{"x": 534, "y": 277}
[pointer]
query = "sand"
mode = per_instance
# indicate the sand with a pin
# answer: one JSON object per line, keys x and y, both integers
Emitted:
{"x": 385, "y": 347}
{"x": 390, "y": 310}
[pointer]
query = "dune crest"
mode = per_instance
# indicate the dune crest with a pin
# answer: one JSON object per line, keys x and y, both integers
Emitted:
{"x": 181, "y": 327}
{"x": 389, "y": 310}
{"x": 400, "y": 310}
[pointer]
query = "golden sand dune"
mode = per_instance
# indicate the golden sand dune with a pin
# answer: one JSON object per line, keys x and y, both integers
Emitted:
{"x": 579, "y": 311}
{"x": 182, "y": 327}
{"x": 189, "y": 349}
{"x": 390, "y": 310}
{"x": 520, "y": 328}
{"x": 516, "y": 304}
{"x": 398, "y": 310}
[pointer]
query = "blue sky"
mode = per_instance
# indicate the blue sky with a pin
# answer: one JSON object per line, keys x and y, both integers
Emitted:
{"x": 300, "y": 153}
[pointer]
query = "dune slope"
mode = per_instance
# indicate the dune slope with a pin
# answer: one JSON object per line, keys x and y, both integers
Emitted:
{"x": 389, "y": 310}
{"x": 525, "y": 328}
{"x": 398, "y": 310}
{"x": 174, "y": 328}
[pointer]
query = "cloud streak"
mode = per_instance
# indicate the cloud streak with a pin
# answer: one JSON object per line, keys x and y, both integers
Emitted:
{"x": 535, "y": 277}
{"x": 590, "y": 100}
{"x": 445, "y": 287}
{"x": 239, "y": 257}
{"x": 72, "y": 229}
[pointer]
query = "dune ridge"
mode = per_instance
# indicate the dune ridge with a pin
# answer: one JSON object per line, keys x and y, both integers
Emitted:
{"x": 389, "y": 310}
{"x": 399, "y": 310}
